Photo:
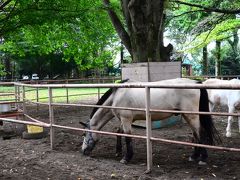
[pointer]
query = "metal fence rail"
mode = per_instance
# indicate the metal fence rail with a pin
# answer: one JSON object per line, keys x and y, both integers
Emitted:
{"x": 20, "y": 94}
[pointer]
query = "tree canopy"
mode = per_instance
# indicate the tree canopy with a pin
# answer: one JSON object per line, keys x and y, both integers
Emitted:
{"x": 89, "y": 32}
{"x": 78, "y": 30}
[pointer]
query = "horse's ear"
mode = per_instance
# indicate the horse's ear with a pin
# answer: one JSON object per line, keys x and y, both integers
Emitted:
{"x": 83, "y": 124}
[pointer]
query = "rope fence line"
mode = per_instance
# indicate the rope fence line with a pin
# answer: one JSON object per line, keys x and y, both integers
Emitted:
{"x": 147, "y": 87}
{"x": 140, "y": 109}
{"x": 42, "y": 124}
{"x": 134, "y": 85}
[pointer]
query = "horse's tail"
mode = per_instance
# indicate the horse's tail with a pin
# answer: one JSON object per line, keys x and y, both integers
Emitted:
{"x": 208, "y": 132}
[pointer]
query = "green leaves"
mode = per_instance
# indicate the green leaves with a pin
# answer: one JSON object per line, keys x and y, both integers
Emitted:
{"x": 221, "y": 31}
{"x": 78, "y": 30}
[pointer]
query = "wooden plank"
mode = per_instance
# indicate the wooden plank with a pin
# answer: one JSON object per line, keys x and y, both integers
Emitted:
{"x": 157, "y": 71}
{"x": 135, "y": 73}
{"x": 12, "y": 114}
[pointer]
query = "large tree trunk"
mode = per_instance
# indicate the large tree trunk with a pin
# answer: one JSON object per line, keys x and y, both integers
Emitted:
{"x": 143, "y": 34}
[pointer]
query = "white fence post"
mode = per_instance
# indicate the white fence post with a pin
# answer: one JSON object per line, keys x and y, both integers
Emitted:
{"x": 148, "y": 130}
{"x": 16, "y": 97}
{"x": 98, "y": 90}
{"x": 67, "y": 94}
{"x": 24, "y": 100}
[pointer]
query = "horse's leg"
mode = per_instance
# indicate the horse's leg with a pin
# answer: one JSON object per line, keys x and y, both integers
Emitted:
{"x": 119, "y": 143}
{"x": 199, "y": 153}
{"x": 230, "y": 118}
{"x": 126, "y": 123}
{"x": 196, "y": 153}
{"x": 211, "y": 106}
{"x": 203, "y": 157}
{"x": 129, "y": 154}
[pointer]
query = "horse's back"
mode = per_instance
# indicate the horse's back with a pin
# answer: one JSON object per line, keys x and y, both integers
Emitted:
{"x": 215, "y": 81}
{"x": 235, "y": 81}
{"x": 160, "y": 98}
{"x": 175, "y": 81}
{"x": 223, "y": 96}
{"x": 234, "y": 95}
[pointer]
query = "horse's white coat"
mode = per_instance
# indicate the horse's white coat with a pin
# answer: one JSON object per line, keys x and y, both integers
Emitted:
{"x": 164, "y": 99}
{"x": 231, "y": 98}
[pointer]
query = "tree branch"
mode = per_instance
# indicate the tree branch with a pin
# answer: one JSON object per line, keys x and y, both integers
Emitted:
{"x": 4, "y": 4}
{"x": 209, "y": 9}
{"x": 186, "y": 13}
{"x": 124, "y": 4}
{"x": 118, "y": 26}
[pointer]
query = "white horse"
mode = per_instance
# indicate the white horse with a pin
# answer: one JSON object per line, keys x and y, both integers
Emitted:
{"x": 231, "y": 98}
{"x": 166, "y": 99}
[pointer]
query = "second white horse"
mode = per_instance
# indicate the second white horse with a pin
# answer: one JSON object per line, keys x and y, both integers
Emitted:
{"x": 231, "y": 98}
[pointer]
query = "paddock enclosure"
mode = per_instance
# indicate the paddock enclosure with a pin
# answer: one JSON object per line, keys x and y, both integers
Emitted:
{"x": 58, "y": 156}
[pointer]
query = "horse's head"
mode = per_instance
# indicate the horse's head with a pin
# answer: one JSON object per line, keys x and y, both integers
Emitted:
{"x": 88, "y": 142}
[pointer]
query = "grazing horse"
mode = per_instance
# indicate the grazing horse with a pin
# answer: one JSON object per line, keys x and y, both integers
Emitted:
{"x": 231, "y": 98}
{"x": 166, "y": 99}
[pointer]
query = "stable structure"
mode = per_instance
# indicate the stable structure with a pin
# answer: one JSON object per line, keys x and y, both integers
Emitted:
{"x": 152, "y": 71}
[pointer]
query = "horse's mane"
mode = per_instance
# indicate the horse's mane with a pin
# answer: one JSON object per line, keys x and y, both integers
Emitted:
{"x": 104, "y": 97}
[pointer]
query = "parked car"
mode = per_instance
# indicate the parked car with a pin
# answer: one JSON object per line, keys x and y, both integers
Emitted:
{"x": 35, "y": 77}
{"x": 24, "y": 77}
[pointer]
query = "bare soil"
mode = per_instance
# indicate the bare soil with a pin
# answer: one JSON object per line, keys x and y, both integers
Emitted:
{"x": 34, "y": 159}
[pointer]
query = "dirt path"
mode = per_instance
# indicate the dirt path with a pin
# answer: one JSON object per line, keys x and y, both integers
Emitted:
{"x": 33, "y": 159}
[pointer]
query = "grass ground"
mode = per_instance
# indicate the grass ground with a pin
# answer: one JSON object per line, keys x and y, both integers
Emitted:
{"x": 59, "y": 94}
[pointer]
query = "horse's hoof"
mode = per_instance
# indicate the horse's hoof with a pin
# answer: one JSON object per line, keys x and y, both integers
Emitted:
{"x": 228, "y": 134}
{"x": 118, "y": 154}
{"x": 190, "y": 159}
{"x": 202, "y": 163}
{"x": 123, "y": 161}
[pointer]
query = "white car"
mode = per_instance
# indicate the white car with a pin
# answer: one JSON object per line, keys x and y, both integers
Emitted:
{"x": 25, "y": 78}
{"x": 35, "y": 77}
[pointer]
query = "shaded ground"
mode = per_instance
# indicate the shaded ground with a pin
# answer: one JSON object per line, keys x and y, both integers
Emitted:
{"x": 33, "y": 159}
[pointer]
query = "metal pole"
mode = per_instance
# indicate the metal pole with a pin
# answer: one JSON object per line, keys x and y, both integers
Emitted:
{"x": 148, "y": 130}
{"x": 37, "y": 97}
{"x": 67, "y": 95}
{"x": 98, "y": 90}
{"x": 23, "y": 97}
{"x": 51, "y": 117}
{"x": 16, "y": 96}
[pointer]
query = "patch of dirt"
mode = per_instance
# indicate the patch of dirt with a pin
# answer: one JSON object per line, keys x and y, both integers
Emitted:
{"x": 34, "y": 159}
